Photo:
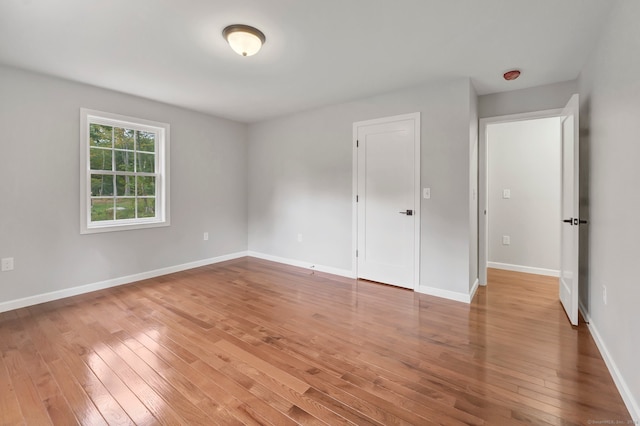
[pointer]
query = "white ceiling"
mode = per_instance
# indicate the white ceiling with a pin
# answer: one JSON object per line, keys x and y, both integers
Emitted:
{"x": 318, "y": 52}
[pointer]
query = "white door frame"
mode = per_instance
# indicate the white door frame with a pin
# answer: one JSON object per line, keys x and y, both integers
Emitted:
{"x": 354, "y": 244}
{"x": 483, "y": 167}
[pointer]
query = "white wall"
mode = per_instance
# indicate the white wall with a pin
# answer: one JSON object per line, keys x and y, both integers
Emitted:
{"x": 300, "y": 181}
{"x": 39, "y": 194}
{"x": 539, "y": 98}
{"x": 524, "y": 157}
{"x": 610, "y": 127}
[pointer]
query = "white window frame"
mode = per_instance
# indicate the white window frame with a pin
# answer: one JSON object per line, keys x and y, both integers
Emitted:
{"x": 161, "y": 130}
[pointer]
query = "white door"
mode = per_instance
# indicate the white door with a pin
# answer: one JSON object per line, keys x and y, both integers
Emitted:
{"x": 569, "y": 238}
{"x": 388, "y": 171}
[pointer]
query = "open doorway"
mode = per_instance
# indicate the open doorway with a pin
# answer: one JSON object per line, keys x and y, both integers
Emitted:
{"x": 520, "y": 187}
{"x": 569, "y": 200}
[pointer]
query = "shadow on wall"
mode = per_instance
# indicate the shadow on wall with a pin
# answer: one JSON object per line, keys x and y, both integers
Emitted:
{"x": 585, "y": 164}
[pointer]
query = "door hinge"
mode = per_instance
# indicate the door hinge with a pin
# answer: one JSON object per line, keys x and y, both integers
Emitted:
{"x": 357, "y": 199}
{"x": 356, "y": 253}
{"x": 357, "y": 143}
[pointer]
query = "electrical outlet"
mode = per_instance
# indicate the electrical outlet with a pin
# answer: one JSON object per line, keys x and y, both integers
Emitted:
{"x": 7, "y": 264}
{"x": 506, "y": 193}
{"x": 299, "y": 238}
{"x": 506, "y": 240}
{"x": 205, "y": 236}
{"x": 604, "y": 294}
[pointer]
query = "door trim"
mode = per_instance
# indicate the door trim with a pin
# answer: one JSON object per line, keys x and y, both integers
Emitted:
{"x": 483, "y": 223}
{"x": 417, "y": 190}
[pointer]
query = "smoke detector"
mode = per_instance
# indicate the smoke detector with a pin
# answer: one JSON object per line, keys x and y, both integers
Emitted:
{"x": 511, "y": 75}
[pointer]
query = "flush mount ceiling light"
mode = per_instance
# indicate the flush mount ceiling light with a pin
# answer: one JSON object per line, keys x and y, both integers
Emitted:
{"x": 243, "y": 39}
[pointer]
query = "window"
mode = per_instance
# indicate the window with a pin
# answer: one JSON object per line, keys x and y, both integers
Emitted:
{"x": 124, "y": 172}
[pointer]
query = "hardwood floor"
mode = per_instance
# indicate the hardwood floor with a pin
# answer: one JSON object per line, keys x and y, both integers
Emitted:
{"x": 253, "y": 342}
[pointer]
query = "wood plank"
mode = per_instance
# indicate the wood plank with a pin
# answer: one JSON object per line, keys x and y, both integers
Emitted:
{"x": 33, "y": 410}
{"x": 52, "y": 396}
{"x": 159, "y": 408}
{"x": 81, "y": 342}
{"x": 10, "y": 412}
{"x": 79, "y": 401}
{"x": 288, "y": 380}
{"x": 231, "y": 398}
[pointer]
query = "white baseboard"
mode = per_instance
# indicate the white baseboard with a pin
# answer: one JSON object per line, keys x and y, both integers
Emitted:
{"x": 525, "y": 269}
{"x": 446, "y": 294}
{"x": 432, "y": 291}
{"x": 474, "y": 288}
{"x": 301, "y": 264}
{"x": 114, "y": 282}
{"x": 632, "y": 405}
{"x": 74, "y": 291}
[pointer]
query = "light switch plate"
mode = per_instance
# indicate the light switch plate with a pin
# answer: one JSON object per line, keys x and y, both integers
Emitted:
{"x": 426, "y": 193}
{"x": 506, "y": 193}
